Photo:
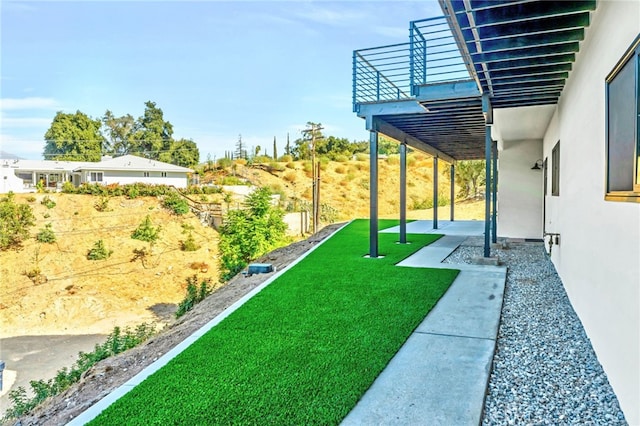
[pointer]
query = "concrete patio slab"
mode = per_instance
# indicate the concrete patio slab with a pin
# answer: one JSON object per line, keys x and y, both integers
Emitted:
{"x": 432, "y": 380}
{"x": 440, "y": 375}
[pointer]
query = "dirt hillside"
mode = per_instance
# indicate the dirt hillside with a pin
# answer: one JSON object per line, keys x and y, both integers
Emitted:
{"x": 74, "y": 295}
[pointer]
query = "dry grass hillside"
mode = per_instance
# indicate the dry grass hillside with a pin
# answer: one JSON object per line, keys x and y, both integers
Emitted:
{"x": 75, "y": 295}
{"x": 344, "y": 186}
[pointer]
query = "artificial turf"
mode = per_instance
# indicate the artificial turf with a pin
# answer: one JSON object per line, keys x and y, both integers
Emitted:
{"x": 304, "y": 349}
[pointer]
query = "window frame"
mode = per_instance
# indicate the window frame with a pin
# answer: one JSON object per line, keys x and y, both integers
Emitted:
{"x": 96, "y": 174}
{"x": 146, "y": 174}
{"x": 633, "y": 195}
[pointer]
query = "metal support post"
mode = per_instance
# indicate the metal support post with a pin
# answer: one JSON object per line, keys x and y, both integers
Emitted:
{"x": 494, "y": 180}
{"x": 487, "y": 192}
{"x": 435, "y": 192}
{"x": 373, "y": 189}
{"x": 452, "y": 193}
{"x": 403, "y": 193}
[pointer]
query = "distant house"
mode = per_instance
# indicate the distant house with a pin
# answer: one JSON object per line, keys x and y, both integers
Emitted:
{"x": 23, "y": 175}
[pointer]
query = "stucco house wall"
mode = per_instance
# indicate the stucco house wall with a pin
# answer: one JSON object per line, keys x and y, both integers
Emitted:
{"x": 519, "y": 189}
{"x": 598, "y": 257}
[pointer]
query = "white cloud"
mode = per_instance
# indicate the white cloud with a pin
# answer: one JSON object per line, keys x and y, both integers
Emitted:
{"x": 25, "y": 122}
{"x": 27, "y": 103}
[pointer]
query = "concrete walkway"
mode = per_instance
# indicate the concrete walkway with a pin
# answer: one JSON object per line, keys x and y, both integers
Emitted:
{"x": 440, "y": 375}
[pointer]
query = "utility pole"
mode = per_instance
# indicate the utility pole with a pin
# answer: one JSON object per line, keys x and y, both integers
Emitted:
{"x": 313, "y": 129}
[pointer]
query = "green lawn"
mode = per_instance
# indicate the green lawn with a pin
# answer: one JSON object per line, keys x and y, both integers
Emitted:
{"x": 304, "y": 349}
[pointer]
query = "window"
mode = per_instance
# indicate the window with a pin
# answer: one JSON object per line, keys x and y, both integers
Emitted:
{"x": 623, "y": 113}
{"x": 555, "y": 170}
{"x": 96, "y": 176}
{"x": 145, "y": 174}
{"x": 163, "y": 174}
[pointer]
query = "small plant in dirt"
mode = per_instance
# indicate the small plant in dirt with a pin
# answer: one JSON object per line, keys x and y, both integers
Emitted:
{"x": 48, "y": 202}
{"x": 15, "y": 221}
{"x": 31, "y": 199}
{"x": 176, "y": 204}
{"x": 46, "y": 235}
{"x": 189, "y": 244}
{"x": 146, "y": 231}
{"x": 99, "y": 251}
{"x": 102, "y": 205}
{"x": 118, "y": 341}
{"x": 195, "y": 294}
{"x": 35, "y": 273}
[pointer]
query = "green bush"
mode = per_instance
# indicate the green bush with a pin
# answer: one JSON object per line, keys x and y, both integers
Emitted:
{"x": 99, "y": 251}
{"x": 189, "y": 244}
{"x": 46, "y": 235}
{"x": 48, "y": 202}
{"x": 68, "y": 188}
{"x": 286, "y": 159}
{"x": 341, "y": 158}
{"x": 176, "y": 204}
{"x": 362, "y": 157}
{"x": 146, "y": 231}
{"x": 223, "y": 163}
{"x": 233, "y": 180}
{"x": 194, "y": 295}
{"x": 103, "y": 204}
{"x": 118, "y": 341}
{"x": 15, "y": 221}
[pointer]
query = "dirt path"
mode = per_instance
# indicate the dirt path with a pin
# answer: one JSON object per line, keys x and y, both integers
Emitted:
{"x": 111, "y": 373}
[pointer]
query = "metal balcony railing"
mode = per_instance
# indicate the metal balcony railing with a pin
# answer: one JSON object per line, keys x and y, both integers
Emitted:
{"x": 389, "y": 73}
{"x": 435, "y": 57}
{"x": 381, "y": 74}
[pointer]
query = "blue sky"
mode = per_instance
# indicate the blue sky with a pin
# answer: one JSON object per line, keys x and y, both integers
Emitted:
{"x": 216, "y": 68}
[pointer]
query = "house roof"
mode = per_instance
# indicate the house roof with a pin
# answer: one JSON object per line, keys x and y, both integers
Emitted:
{"x": 129, "y": 162}
{"x": 42, "y": 165}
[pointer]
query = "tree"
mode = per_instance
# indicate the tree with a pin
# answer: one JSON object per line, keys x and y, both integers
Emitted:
{"x": 74, "y": 137}
{"x": 470, "y": 175}
{"x": 241, "y": 149}
{"x": 118, "y": 131}
{"x": 152, "y": 134}
{"x": 15, "y": 221}
{"x": 275, "y": 150}
{"x": 287, "y": 147}
{"x": 183, "y": 152}
{"x": 248, "y": 234}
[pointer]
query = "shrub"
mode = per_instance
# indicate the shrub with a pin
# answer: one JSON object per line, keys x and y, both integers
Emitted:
{"x": 176, "y": 204}
{"x": 31, "y": 199}
{"x": 194, "y": 295}
{"x": 48, "y": 202}
{"x": 99, "y": 251}
{"x": 340, "y": 169}
{"x": 68, "y": 188}
{"x": 15, "y": 221}
{"x": 286, "y": 159}
{"x": 393, "y": 159}
{"x": 118, "y": 341}
{"x": 291, "y": 165}
{"x": 146, "y": 231}
{"x": 223, "y": 163}
{"x": 189, "y": 244}
{"x": 276, "y": 167}
{"x": 362, "y": 157}
{"x": 233, "y": 180}
{"x": 103, "y": 204}
{"x": 46, "y": 235}
{"x": 341, "y": 158}
{"x": 290, "y": 176}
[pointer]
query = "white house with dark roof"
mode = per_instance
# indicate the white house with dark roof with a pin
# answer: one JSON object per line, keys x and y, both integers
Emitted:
{"x": 23, "y": 175}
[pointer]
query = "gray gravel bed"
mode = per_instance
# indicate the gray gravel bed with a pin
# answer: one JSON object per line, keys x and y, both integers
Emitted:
{"x": 545, "y": 371}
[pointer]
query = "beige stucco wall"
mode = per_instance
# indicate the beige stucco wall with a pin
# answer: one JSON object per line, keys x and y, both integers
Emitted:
{"x": 519, "y": 189}
{"x": 598, "y": 257}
